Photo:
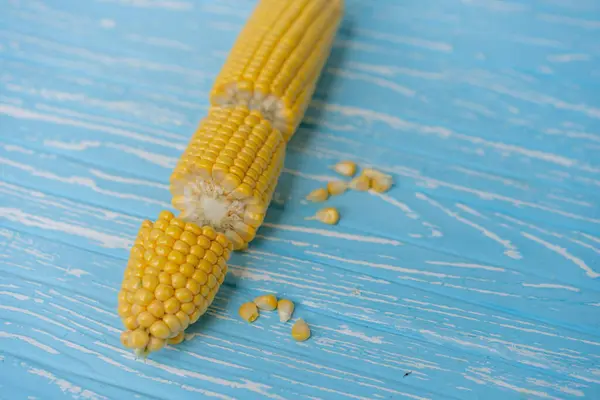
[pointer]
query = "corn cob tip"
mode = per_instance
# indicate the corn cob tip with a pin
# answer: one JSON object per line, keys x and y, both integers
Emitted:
{"x": 173, "y": 274}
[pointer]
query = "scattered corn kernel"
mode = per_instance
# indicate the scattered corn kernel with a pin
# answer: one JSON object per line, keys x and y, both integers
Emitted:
{"x": 329, "y": 215}
{"x": 267, "y": 302}
{"x": 381, "y": 185}
{"x": 248, "y": 311}
{"x": 318, "y": 195}
{"x": 336, "y": 187}
{"x": 346, "y": 168}
{"x": 361, "y": 183}
{"x": 285, "y": 308}
{"x": 380, "y": 182}
{"x": 300, "y": 330}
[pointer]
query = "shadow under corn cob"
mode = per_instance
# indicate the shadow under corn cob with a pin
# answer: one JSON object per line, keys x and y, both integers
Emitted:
{"x": 225, "y": 179}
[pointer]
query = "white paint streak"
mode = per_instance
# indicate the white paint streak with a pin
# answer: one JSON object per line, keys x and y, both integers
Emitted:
{"x": 382, "y": 266}
{"x": 105, "y": 240}
{"x": 319, "y": 178}
{"x": 551, "y": 286}
{"x": 511, "y": 250}
{"x": 36, "y": 315}
{"x": 337, "y": 235}
{"x": 21, "y": 113}
{"x": 563, "y": 252}
{"x": 17, "y": 296}
{"x": 555, "y": 386}
{"x": 384, "y": 83}
{"x": 81, "y": 181}
{"x": 345, "y": 330}
{"x": 66, "y": 386}
{"x": 72, "y": 146}
{"x": 388, "y": 199}
{"x": 466, "y": 265}
{"x": 567, "y": 58}
{"x": 31, "y": 341}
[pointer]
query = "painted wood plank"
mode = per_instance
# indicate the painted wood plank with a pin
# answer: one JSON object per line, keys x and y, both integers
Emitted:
{"x": 85, "y": 314}
{"x": 477, "y": 273}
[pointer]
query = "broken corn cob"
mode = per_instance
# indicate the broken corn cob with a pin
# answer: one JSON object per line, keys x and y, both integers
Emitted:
{"x": 276, "y": 62}
{"x": 174, "y": 272}
{"x": 226, "y": 177}
{"x": 228, "y": 173}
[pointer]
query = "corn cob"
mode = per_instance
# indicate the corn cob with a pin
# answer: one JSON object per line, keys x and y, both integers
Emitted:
{"x": 228, "y": 173}
{"x": 275, "y": 65}
{"x": 225, "y": 179}
{"x": 174, "y": 272}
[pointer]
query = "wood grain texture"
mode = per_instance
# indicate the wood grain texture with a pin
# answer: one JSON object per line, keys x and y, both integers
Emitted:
{"x": 475, "y": 277}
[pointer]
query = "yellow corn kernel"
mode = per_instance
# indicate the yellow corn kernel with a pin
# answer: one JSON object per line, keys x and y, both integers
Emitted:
{"x": 160, "y": 330}
{"x": 146, "y": 319}
{"x": 346, "y": 168}
{"x": 125, "y": 338}
{"x": 188, "y": 308}
{"x": 380, "y": 182}
{"x": 131, "y": 322}
{"x": 248, "y": 312}
{"x": 155, "y": 344}
{"x": 143, "y": 297}
{"x": 329, "y": 215}
{"x": 166, "y": 215}
{"x": 156, "y": 308}
{"x": 139, "y": 338}
{"x": 177, "y": 339}
{"x": 164, "y": 292}
{"x": 318, "y": 195}
{"x": 267, "y": 302}
{"x": 173, "y": 323}
{"x": 361, "y": 183}
{"x": 381, "y": 186}
{"x": 285, "y": 309}
{"x": 336, "y": 187}
{"x": 158, "y": 302}
{"x": 300, "y": 330}
{"x": 172, "y": 305}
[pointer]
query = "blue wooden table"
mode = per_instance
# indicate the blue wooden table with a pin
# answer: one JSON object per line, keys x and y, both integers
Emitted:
{"x": 475, "y": 277}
